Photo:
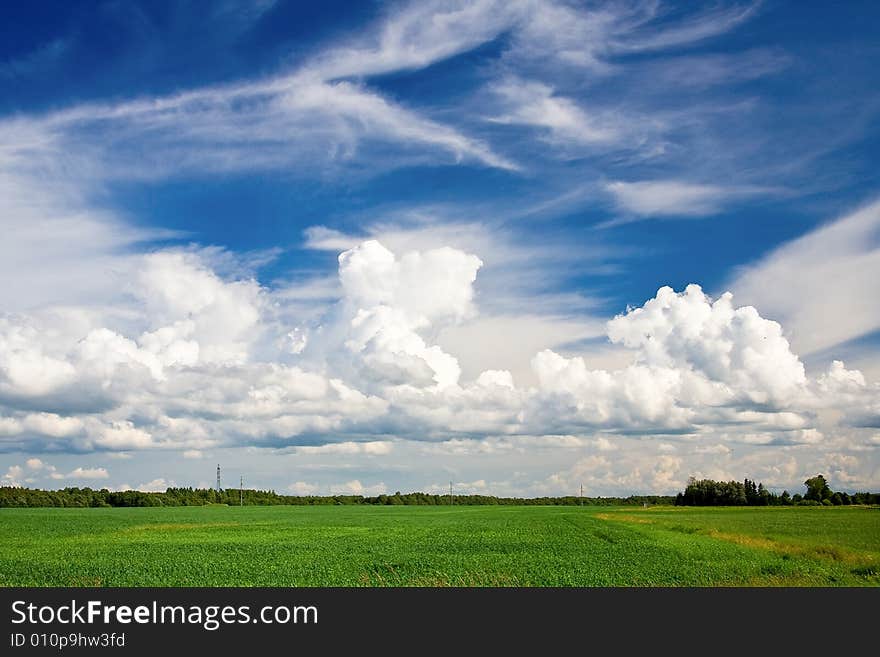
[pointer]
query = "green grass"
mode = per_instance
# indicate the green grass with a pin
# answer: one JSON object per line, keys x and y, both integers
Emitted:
{"x": 440, "y": 546}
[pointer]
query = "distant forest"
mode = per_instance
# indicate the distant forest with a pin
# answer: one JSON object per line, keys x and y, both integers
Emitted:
{"x": 87, "y": 497}
{"x": 704, "y": 492}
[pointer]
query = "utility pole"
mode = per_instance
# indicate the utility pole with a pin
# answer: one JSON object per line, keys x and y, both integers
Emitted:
{"x": 218, "y": 477}
{"x": 451, "y": 499}
{"x": 241, "y": 491}
{"x": 582, "y": 494}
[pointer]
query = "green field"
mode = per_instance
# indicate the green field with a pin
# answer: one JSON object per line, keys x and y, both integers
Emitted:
{"x": 440, "y": 546}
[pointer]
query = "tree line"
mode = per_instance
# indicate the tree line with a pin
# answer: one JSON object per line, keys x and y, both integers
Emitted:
{"x": 707, "y": 492}
{"x": 703, "y": 492}
{"x": 87, "y": 497}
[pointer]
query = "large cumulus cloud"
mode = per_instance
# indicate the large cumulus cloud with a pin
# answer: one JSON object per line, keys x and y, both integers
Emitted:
{"x": 698, "y": 362}
{"x": 387, "y": 301}
{"x": 194, "y": 359}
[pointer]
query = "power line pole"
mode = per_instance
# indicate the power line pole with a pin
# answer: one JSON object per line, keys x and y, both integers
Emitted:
{"x": 218, "y": 477}
{"x": 451, "y": 499}
{"x": 582, "y": 494}
{"x": 241, "y": 491}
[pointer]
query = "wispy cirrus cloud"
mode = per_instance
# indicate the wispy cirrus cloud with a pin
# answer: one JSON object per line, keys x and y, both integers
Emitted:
{"x": 675, "y": 198}
{"x": 652, "y": 34}
{"x": 830, "y": 272}
{"x": 589, "y": 38}
{"x": 690, "y": 73}
{"x": 536, "y": 104}
{"x": 275, "y": 124}
{"x": 418, "y": 35}
{"x": 320, "y": 115}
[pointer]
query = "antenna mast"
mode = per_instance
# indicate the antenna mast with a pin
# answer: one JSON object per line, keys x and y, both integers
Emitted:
{"x": 218, "y": 477}
{"x": 241, "y": 491}
{"x": 451, "y": 499}
{"x": 582, "y": 494}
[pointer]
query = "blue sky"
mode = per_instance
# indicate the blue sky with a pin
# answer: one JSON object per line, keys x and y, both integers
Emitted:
{"x": 179, "y": 180}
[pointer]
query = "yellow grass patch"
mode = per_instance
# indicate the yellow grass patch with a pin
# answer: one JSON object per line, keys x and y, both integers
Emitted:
{"x": 625, "y": 517}
{"x": 824, "y": 552}
{"x": 832, "y": 552}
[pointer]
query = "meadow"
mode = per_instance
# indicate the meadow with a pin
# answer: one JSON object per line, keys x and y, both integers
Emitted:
{"x": 440, "y": 546}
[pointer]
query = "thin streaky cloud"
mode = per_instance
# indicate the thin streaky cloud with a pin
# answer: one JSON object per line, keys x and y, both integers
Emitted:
{"x": 693, "y": 29}
{"x": 674, "y": 198}
{"x": 831, "y": 271}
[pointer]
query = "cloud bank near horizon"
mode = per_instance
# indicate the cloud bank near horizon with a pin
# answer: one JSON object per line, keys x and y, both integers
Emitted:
{"x": 202, "y": 361}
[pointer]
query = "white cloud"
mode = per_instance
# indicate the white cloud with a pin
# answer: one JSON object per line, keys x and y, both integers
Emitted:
{"x": 158, "y": 485}
{"x": 370, "y": 367}
{"x": 292, "y": 119}
{"x": 40, "y": 468}
{"x": 516, "y": 287}
{"x": 328, "y": 239}
{"x": 58, "y": 249}
{"x": 387, "y": 301}
{"x": 422, "y": 33}
{"x": 418, "y": 35}
{"x": 517, "y": 272}
{"x": 561, "y": 34}
{"x": 25, "y": 368}
{"x": 301, "y": 120}
{"x": 87, "y": 473}
{"x": 717, "y": 448}
{"x": 372, "y": 448}
{"x": 637, "y": 396}
{"x": 13, "y": 477}
{"x": 536, "y": 104}
{"x": 303, "y": 488}
{"x": 734, "y": 346}
{"x": 525, "y": 334}
{"x": 698, "y": 27}
{"x": 192, "y": 454}
{"x": 355, "y": 487}
{"x": 321, "y": 116}
{"x": 9, "y": 426}
{"x": 476, "y": 487}
{"x": 605, "y": 445}
{"x": 467, "y": 447}
{"x": 831, "y": 272}
{"x": 704, "y": 70}
{"x": 668, "y": 198}
{"x": 698, "y": 363}
{"x": 50, "y": 424}
{"x": 637, "y": 471}
{"x": 565, "y": 36}
{"x": 434, "y": 285}
{"x": 199, "y": 317}
{"x": 121, "y": 435}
